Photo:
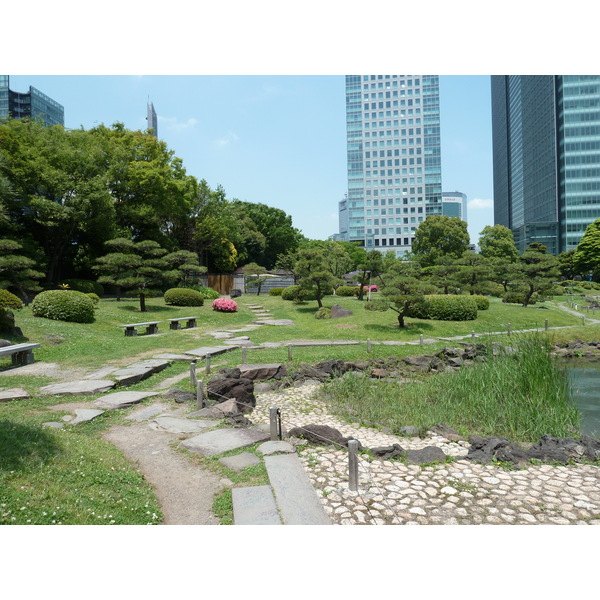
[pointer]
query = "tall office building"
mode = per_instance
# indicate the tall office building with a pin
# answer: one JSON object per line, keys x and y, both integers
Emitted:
{"x": 394, "y": 158}
{"x": 32, "y": 104}
{"x": 152, "y": 119}
{"x": 546, "y": 145}
{"x": 454, "y": 204}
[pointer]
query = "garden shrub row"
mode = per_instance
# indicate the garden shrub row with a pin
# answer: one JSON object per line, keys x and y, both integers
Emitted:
{"x": 183, "y": 297}
{"x": 63, "y": 305}
{"x": 445, "y": 307}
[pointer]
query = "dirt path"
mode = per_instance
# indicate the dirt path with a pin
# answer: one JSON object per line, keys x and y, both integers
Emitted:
{"x": 185, "y": 491}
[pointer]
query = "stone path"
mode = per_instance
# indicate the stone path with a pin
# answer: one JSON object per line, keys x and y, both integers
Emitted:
{"x": 460, "y": 492}
{"x": 390, "y": 492}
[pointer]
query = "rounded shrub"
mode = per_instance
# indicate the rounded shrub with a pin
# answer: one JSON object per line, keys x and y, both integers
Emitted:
{"x": 9, "y": 301}
{"x": 183, "y": 297}
{"x": 63, "y": 305}
{"x": 85, "y": 286}
{"x": 207, "y": 292}
{"x": 290, "y": 292}
{"x": 483, "y": 302}
{"x": 519, "y": 298}
{"x": 276, "y": 291}
{"x": 347, "y": 290}
{"x": 445, "y": 307}
{"x": 95, "y": 298}
{"x": 224, "y": 305}
{"x": 323, "y": 313}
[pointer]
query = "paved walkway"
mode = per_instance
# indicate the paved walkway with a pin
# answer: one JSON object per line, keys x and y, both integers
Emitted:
{"x": 460, "y": 492}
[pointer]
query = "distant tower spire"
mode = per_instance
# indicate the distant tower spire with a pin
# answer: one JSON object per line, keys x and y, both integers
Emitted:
{"x": 152, "y": 119}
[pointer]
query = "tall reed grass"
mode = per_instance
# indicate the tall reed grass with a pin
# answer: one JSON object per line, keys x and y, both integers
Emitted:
{"x": 520, "y": 394}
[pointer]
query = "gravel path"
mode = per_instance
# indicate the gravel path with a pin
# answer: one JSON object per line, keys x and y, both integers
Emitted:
{"x": 459, "y": 492}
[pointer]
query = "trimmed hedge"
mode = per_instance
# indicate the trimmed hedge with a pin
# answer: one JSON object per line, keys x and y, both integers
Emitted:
{"x": 207, "y": 293}
{"x": 95, "y": 298}
{"x": 276, "y": 291}
{"x": 323, "y": 313}
{"x": 445, "y": 307}
{"x": 519, "y": 298}
{"x": 483, "y": 302}
{"x": 63, "y": 305}
{"x": 85, "y": 286}
{"x": 183, "y": 297}
{"x": 347, "y": 290}
{"x": 9, "y": 301}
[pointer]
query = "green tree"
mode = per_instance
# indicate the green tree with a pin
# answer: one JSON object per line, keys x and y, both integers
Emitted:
{"x": 314, "y": 273}
{"x": 566, "y": 264}
{"x": 18, "y": 272}
{"x": 497, "y": 241}
{"x": 255, "y": 275}
{"x": 473, "y": 272}
{"x": 287, "y": 263}
{"x": 118, "y": 265}
{"x": 504, "y": 272}
{"x": 437, "y": 236}
{"x": 403, "y": 290}
{"x": 186, "y": 265}
{"x": 370, "y": 267}
{"x": 538, "y": 271}
{"x": 443, "y": 274}
{"x": 586, "y": 258}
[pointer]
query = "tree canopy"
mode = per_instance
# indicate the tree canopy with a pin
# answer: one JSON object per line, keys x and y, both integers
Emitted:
{"x": 497, "y": 241}
{"x": 437, "y": 236}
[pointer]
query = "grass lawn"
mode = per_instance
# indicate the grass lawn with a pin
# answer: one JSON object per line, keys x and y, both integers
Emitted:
{"x": 52, "y": 476}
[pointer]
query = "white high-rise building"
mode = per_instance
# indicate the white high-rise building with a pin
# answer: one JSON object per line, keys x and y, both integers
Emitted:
{"x": 454, "y": 204}
{"x": 394, "y": 158}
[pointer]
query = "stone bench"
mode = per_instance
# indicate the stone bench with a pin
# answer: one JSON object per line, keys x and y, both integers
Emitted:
{"x": 176, "y": 323}
{"x": 131, "y": 328}
{"x": 22, "y": 354}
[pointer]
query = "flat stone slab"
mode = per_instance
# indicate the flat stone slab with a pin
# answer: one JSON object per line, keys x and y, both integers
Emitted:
{"x": 221, "y": 335}
{"x": 223, "y": 440}
{"x": 209, "y": 351}
{"x": 239, "y": 462}
{"x": 54, "y": 424}
{"x": 254, "y": 505}
{"x": 83, "y": 415}
{"x": 260, "y": 372}
{"x": 147, "y": 412}
{"x": 275, "y": 322}
{"x": 122, "y": 399}
{"x": 14, "y": 394}
{"x": 271, "y": 344}
{"x": 139, "y": 371}
{"x": 295, "y": 496}
{"x": 101, "y": 373}
{"x": 325, "y": 343}
{"x": 177, "y": 425}
{"x": 78, "y": 388}
{"x": 276, "y": 447}
{"x": 168, "y": 356}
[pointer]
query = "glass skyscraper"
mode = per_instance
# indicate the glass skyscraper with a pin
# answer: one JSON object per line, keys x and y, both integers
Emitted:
{"x": 32, "y": 104}
{"x": 394, "y": 159}
{"x": 546, "y": 145}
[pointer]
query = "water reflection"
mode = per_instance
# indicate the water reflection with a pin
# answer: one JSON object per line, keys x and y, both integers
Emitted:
{"x": 585, "y": 381}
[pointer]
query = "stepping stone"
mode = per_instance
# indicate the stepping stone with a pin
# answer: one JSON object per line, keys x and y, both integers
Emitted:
{"x": 295, "y": 496}
{"x": 100, "y": 373}
{"x": 167, "y": 356}
{"x": 221, "y": 335}
{"x": 122, "y": 399}
{"x": 54, "y": 424}
{"x": 139, "y": 371}
{"x": 261, "y": 372}
{"x": 147, "y": 412}
{"x": 223, "y": 440}
{"x": 78, "y": 388}
{"x": 83, "y": 415}
{"x": 254, "y": 505}
{"x": 14, "y": 394}
{"x": 240, "y": 343}
{"x": 209, "y": 351}
{"x": 276, "y": 447}
{"x": 175, "y": 425}
{"x": 271, "y": 345}
{"x": 275, "y": 322}
{"x": 239, "y": 462}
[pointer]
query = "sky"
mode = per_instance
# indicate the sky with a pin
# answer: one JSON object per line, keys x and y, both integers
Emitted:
{"x": 279, "y": 140}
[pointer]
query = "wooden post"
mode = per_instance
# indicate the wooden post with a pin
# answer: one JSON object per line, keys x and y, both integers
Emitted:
{"x": 421, "y": 339}
{"x": 289, "y": 352}
{"x": 193, "y": 379}
{"x": 508, "y": 329}
{"x": 353, "y": 465}
{"x": 200, "y": 395}
{"x": 274, "y": 423}
{"x": 546, "y": 324}
{"x": 368, "y": 345}
{"x": 207, "y": 366}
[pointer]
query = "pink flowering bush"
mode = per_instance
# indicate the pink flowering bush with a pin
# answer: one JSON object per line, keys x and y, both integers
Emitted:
{"x": 374, "y": 288}
{"x": 224, "y": 305}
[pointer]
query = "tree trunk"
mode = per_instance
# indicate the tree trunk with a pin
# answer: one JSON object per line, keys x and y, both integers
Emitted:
{"x": 528, "y": 296}
{"x": 142, "y": 303}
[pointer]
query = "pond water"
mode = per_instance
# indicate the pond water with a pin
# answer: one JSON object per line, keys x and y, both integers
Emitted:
{"x": 585, "y": 381}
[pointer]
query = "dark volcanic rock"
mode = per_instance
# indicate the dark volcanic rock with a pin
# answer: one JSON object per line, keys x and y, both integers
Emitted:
{"x": 337, "y": 311}
{"x": 387, "y": 452}
{"x": 179, "y": 396}
{"x": 428, "y": 454}
{"x": 227, "y": 386}
{"x": 321, "y": 434}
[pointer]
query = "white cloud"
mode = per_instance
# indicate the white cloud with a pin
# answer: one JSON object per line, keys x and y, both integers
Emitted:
{"x": 230, "y": 138}
{"x": 174, "y": 124}
{"x": 480, "y": 204}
